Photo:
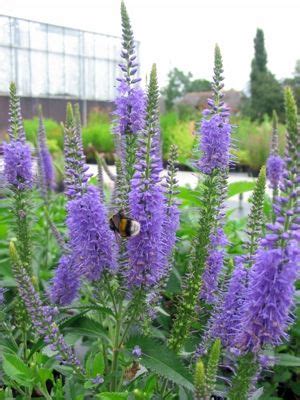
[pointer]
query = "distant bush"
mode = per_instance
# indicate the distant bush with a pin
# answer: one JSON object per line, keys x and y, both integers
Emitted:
{"x": 97, "y": 135}
{"x": 181, "y": 133}
{"x": 252, "y": 141}
{"x": 251, "y": 138}
{"x": 53, "y": 131}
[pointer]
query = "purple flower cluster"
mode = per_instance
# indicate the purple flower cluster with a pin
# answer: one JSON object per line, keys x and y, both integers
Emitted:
{"x": 275, "y": 166}
{"x": 266, "y": 312}
{"x": 91, "y": 240}
{"x": 168, "y": 235}
{"x": 146, "y": 202}
{"x": 42, "y": 319}
{"x": 45, "y": 164}
{"x": 18, "y": 165}
{"x": 130, "y": 104}
{"x": 226, "y": 320}
{"x": 91, "y": 247}
{"x": 130, "y": 109}
{"x": 214, "y": 264}
{"x": 269, "y": 300}
{"x": 66, "y": 282}
{"x": 214, "y": 145}
{"x": 136, "y": 352}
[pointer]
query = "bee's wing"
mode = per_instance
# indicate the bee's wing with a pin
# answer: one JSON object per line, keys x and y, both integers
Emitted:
{"x": 115, "y": 222}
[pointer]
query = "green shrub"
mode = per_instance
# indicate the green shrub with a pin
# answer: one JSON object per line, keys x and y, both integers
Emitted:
{"x": 98, "y": 133}
{"x": 252, "y": 141}
{"x": 53, "y": 130}
{"x": 177, "y": 132}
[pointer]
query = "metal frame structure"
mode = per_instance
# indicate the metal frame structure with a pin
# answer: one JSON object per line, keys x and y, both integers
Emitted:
{"x": 52, "y": 61}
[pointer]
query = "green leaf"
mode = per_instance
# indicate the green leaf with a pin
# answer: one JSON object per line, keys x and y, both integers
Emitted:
{"x": 17, "y": 370}
{"x": 73, "y": 390}
{"x": 112, "y": 396}
{"x": 88, "y": 327}
{"x": 95, "y": 364}
{"x": 235, "y": 188}
{"x": 287, "y": 360}
{"x": 162, "y": 360}
{"x": 7, "y": 346}
{"x": 44, "y": 375}
{"x": 98, "y": 367}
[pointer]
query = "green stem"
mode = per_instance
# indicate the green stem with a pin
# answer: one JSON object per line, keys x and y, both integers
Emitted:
{"x": 45, "y": 393}
{"x": 116, "y": 348}
{"x": 111, "y": 295}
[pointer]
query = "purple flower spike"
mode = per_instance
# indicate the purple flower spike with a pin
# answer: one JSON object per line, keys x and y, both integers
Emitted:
{"x": 226, "y": 320}
{"x": 66, "y": 282}
{"x": 18, "y": 165}
{"x": 146, "y": 201}
{"x": 275, "y": 165}
{"x": 130, "y": 109}
{"x": 214, "y": 264}
{"x": 266, "y": 312}
{"x": 42, "y": 317}
{"x": 91, "y": 240}
{"x": 214, "y": 145}
{"x": 146, "y": 267}
{"x": 45, "y": 164}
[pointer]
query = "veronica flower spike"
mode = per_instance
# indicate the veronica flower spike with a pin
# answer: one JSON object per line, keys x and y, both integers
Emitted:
{"x": 266, "y": 312}
{"x": 214, "y": 163}
{"x": 91, "y": 242}
{"x": 45, "y": 164}
{"x": 130, "y": 102}
{"x": 147, "y": 202}
{"x": 275, "y": 163}
{"x": 18, "y": 176}
{"x": 42, "y": 317}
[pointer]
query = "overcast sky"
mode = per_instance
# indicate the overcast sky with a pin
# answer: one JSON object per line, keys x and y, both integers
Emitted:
{"x": 182, "y": 33}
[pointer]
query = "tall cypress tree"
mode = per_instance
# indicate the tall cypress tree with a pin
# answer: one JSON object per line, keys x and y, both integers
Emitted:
{"x": 266, "y": 91}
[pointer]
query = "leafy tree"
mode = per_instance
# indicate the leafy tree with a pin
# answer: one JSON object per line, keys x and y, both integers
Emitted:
{"x": 199, "y": 85}
{"x": 266, "y": 91}
{"x": 294, "y": 83}
{"x": 181, "y": 83}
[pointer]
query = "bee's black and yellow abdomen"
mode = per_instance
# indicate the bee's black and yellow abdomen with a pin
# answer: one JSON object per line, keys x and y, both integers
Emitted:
{"x": 124, "y": 228}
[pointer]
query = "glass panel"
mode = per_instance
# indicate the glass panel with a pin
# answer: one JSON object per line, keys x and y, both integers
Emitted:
{"x": 21, "y": 33}
{"x": 113, "y": 70}
{"x": 72, "y": 76}
{"x": 89, "y": 44}
{"x": 102, "y": 82}
{"x": 55, "y": 39}
{"x": 114, "y": 49}
{"x": 56, "y": 75}
{"x": 23, "y": 75}
{"x": 89, "y": 78}
{"x": 71, "y": 41}
{"x": 38, "y": 36}
{"x": 40, "y": 75}
{"x": 4, "y": 30}
{"x": 101, "y": 46}
{"x": 5, "y": 76}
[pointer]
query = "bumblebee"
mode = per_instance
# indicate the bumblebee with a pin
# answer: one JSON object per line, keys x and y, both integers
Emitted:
{"x": 124, "y": 226}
